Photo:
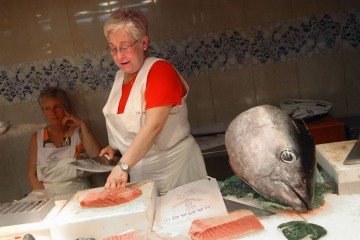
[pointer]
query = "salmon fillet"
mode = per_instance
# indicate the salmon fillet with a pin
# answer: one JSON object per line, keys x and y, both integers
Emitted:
{"x": 110, "y": 197}
{"x": 133, "y": 235}
{"x": 236, "y": 224}
{"x": 142, "y": 235}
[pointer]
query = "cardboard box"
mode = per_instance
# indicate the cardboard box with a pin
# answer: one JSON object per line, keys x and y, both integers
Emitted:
{"x": 327, "y": 129}
{"x": 352, "y": 127}
{"x": 75, "y": 222}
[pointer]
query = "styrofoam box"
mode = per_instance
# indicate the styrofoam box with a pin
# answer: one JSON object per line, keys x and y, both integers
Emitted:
{"x": 26, "y": 211}
{"x": 39, "y": 230}
{"x": 330, "y": 157}
{"x": 76, "y": 222}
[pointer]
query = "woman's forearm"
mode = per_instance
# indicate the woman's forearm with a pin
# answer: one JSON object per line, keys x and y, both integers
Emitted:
{"x": 89, "y": 141}
{"x": 32, "y": 170}
{"x": 144, "y": 140}
{"x": 35, "y": 183}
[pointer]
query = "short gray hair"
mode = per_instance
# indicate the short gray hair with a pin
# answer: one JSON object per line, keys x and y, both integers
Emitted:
{"x": 129, "y": 20}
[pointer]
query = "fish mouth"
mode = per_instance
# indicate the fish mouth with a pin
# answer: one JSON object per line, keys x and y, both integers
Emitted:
{"x": 305, "y": 205}
{"x": 292, "y": 191}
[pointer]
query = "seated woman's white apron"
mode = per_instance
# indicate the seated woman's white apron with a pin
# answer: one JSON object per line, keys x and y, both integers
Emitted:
{"x": 175, "y": 158}
{"x": 54, "y": 170}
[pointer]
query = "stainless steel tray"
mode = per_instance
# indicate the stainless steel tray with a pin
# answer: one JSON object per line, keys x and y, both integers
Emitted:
{"x": 25, "y": 211}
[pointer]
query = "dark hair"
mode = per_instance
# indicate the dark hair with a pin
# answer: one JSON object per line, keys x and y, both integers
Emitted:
{"x": 54, "y": 92}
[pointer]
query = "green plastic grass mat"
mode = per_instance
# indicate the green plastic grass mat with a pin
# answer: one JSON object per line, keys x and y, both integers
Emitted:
{"x": 235, "y": 186}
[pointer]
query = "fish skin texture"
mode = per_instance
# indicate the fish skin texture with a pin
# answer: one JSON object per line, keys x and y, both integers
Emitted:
{"x": 274, "y": 155}
{"x": 110, "y": 197}
{"x": 236, "y": 224}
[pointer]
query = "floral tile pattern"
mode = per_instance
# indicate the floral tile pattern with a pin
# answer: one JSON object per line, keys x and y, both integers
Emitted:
{"x": 195, "y": 55}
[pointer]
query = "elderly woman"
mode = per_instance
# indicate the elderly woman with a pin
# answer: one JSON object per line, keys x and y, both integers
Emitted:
{"x": 146, "y": 112}
{"x": 65, "y": 139}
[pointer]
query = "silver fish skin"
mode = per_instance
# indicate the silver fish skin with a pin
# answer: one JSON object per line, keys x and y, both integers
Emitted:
{"x": 274, "y": 155}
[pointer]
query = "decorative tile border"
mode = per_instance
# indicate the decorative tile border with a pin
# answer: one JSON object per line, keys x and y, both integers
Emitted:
{"x": 195, "y": 55}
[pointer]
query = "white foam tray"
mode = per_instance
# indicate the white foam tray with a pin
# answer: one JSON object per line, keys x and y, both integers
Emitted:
{"x": 330, "y": 157}
{"x": 76, "y": 222}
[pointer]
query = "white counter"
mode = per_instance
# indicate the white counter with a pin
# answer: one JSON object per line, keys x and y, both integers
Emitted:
{"x": 340, "y": 216}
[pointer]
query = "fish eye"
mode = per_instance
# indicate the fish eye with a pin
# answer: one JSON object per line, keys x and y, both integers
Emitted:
{"x": 288, "y": 155}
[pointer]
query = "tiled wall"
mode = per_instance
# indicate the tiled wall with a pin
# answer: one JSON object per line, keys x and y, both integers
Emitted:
{"x": 234, "y": 54}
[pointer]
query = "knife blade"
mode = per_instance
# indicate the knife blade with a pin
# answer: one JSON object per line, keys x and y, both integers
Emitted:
{"x": 232, "y": 206}
{"x": 97, "y": 164}
{"x": 354, "y": 155}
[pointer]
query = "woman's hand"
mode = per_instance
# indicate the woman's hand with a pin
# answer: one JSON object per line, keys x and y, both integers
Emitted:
{"x": 87, "y": 137}
{"x": 70, "y": 120}
{"x": 109, "y": 151}
{"x": 117, "y": 178}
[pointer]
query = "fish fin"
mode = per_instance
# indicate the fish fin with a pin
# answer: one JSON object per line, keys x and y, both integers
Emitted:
{"x": 295, "y": 125}
{"x": 302, "y": 120}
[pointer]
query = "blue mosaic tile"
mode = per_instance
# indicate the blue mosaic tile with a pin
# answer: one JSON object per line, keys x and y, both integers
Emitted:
{"x": 232, "y": 49}
{"x": 351, "y": 31}
{"x": 97, "y": 70}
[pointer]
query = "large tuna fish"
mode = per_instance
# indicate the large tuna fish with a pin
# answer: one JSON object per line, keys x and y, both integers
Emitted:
{"x": 274, "y": 155}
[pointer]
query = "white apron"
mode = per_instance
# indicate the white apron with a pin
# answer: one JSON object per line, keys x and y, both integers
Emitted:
{"x": 53, "y": 167}
{"x": 175, "y": 158}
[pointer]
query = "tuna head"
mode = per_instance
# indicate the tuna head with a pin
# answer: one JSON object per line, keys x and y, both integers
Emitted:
{"x": 274, "y": 155}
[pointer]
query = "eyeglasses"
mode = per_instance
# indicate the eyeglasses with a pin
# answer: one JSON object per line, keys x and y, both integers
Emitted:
{"x": 124, "y": 49}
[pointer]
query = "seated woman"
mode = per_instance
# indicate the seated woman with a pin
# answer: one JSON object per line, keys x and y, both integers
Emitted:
{"x": 65, "y": 139}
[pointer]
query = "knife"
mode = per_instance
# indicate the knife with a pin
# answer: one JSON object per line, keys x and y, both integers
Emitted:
{"x": 354, "y": 155}
{"x": 96, "y": 164}
{"x": 232, "y": 206}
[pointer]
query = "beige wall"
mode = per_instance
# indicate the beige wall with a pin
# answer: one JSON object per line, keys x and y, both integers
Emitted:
{"x": 41, "y": 29}
{"x": 38, "y": 29}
